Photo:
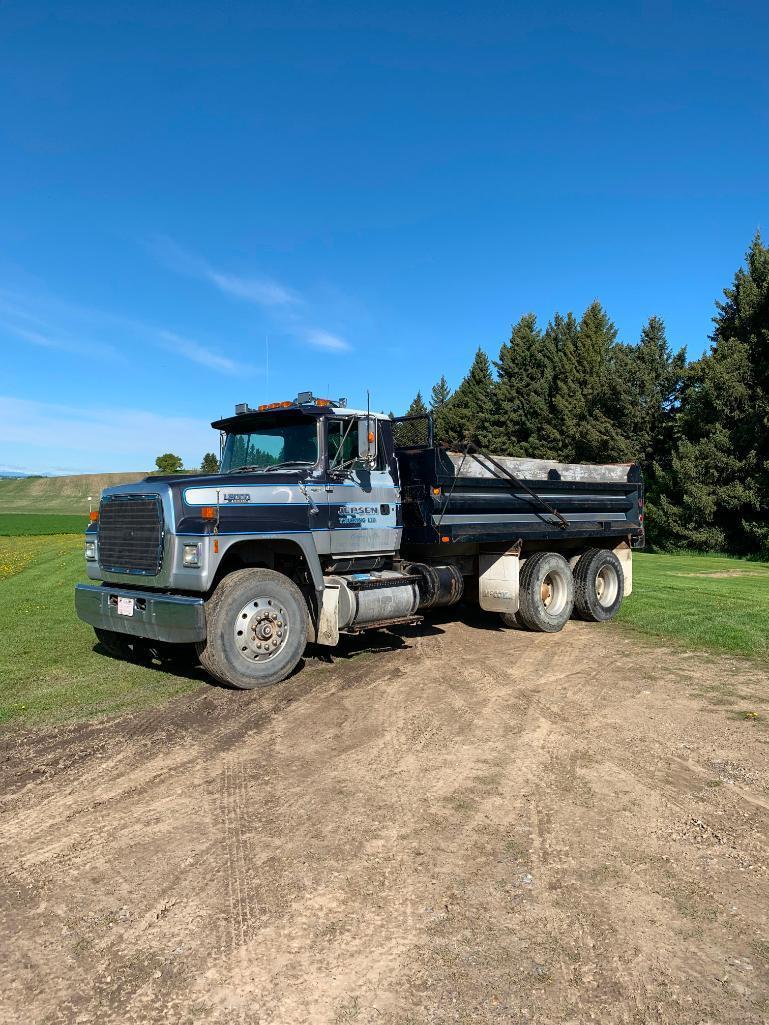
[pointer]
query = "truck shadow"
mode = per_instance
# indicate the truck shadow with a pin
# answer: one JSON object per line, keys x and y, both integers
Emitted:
{"x": 351, "y": 646}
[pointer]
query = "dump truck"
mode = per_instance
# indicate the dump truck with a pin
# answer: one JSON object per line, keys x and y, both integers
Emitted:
{"x": 325, "y": 520}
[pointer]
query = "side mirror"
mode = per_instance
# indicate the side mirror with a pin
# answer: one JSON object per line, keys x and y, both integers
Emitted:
{"x": 367, "y": 440}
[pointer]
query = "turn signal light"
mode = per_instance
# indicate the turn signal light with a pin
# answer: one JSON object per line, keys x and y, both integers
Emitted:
{"x": 93, "y": 516}
{"x": 208, "y": 512}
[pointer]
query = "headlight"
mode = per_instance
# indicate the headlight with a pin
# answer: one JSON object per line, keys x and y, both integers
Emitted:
{"x": 90, "y": 550}
{"x": 191, "y": 555}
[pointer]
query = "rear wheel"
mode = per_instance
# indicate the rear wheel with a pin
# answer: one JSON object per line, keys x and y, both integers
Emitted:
{"x": 546, "y": 592}
{"x": 599, "y": 585}
{"x": 256, "y": 625}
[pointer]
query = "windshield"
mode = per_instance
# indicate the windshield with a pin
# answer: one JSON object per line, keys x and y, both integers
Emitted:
{"x": 271, "y": 444}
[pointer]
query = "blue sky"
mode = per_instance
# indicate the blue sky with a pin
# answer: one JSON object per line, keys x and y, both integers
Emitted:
{"x": 374, "y": 189}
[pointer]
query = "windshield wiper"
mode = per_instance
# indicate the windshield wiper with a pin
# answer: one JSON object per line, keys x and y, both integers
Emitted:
{"x": 247, "y": 469}
{"x": 289, "y": 462}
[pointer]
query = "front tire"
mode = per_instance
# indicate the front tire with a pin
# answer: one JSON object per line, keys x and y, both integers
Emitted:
{"x": 546, "y": 592}
{"x": 256, "y": 626}
{"x": 599, "y": 585}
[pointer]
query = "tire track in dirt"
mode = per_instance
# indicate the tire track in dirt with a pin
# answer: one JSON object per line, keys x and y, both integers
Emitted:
{"x": 470, "y": 824}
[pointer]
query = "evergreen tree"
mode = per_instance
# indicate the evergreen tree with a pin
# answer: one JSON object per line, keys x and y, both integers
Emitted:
{"x": 439, "y": 396}
{"x": 468, "y": 414}
{"x": 599, "y": 438}
{"x": 523, "y": 417}
{"x": 210, "y": 463}
{"x": 417, "y": 407}
{"x": 717, "y": 489}
{"x": 649, "y": 378}
{"x": 569, "y": 407}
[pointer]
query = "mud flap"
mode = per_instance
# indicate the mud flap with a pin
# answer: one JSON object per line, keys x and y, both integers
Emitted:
{"x": 498, "y": 580}
{"x": 328, "y": 620}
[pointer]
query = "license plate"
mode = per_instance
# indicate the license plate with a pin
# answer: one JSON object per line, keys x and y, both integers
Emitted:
{"x": 125, "y": 606}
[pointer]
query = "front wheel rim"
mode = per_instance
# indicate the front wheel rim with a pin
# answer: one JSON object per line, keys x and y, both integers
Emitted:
{"x": 261, "y": 630}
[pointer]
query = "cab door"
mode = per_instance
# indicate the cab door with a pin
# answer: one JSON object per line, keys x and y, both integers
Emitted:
{"x": 362, "y": 497}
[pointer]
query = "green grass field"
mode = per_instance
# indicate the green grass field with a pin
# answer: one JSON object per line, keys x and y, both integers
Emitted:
{"x": 702, "y": 601}
{"x": 49, "y": 671}
{"x": 35, "y": 524}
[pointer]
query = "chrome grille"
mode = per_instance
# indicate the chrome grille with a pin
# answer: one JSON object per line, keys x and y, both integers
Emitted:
{"x": 131, "y": 534}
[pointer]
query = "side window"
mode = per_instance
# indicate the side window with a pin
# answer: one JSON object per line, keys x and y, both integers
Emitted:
{"x": 342, "y": 441}
{"x": 343, "y": 444}
{"x": 381, "y": 461}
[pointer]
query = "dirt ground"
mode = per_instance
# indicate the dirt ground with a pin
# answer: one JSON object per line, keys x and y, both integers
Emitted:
{"x": 460, "y": 824}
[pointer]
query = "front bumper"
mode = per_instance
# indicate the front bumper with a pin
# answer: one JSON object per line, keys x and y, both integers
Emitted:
{"x": 161, "y": 617}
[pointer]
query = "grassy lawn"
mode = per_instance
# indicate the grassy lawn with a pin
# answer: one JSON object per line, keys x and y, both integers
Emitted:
{"x": 32, "y": 524}
{"x": 702, "y": 601}
{"x": 49, "y": 671}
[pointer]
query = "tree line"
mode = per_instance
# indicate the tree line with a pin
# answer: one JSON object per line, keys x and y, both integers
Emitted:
{"x": 699, "y": 429}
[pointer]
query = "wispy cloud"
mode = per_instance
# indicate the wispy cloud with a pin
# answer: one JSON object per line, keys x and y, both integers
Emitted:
{"x": 31, "y": 328}
{"x": 262, "y": 291}
{"x": 199, "y": 353}
{"x": 285, "y": 307}
{"x": 325, "y": 340}
{"x": 92, "y": 440}
{"x": 69, "y": 327}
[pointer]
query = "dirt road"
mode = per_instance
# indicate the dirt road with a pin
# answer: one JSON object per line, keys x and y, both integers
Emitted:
{"x": 480, "y": 826}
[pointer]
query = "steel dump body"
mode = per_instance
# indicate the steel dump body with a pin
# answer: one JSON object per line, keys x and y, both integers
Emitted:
{"x": 456, "y": 497}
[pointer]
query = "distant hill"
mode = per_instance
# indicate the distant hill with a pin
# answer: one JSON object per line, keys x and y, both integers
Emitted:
{"x": 59, "y": 494}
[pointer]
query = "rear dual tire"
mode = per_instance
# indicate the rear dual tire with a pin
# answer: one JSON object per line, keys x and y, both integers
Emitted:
{"x": 546, "y": 592}
{"x": 550, "y": 593}
{"x": 599, "y": 585}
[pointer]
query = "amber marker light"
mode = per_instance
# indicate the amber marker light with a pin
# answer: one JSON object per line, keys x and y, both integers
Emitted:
{"x": 208, "y": 512}
{"x": 436, "y": 491}
{"x": 93, "y": 516}
{"x": 445, "y": 540}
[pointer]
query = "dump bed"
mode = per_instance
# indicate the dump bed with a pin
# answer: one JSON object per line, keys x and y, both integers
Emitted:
{"x": 465, "y": 497}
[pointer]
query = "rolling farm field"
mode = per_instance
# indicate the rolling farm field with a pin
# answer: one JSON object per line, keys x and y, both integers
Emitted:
{"x": 66, "y": 494}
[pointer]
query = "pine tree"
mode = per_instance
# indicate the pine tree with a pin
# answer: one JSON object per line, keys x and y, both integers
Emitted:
{"x": 468, "y": 414}
{"x": 599, "y": 438}
{"x": 439, "y": 396}
{"x": 417, "y": 407}
{"x": 523, "y": 415}
{"x": 569, "y": 407}
{"x": 717, "y": 490}
{"x": 647, "y": 378}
